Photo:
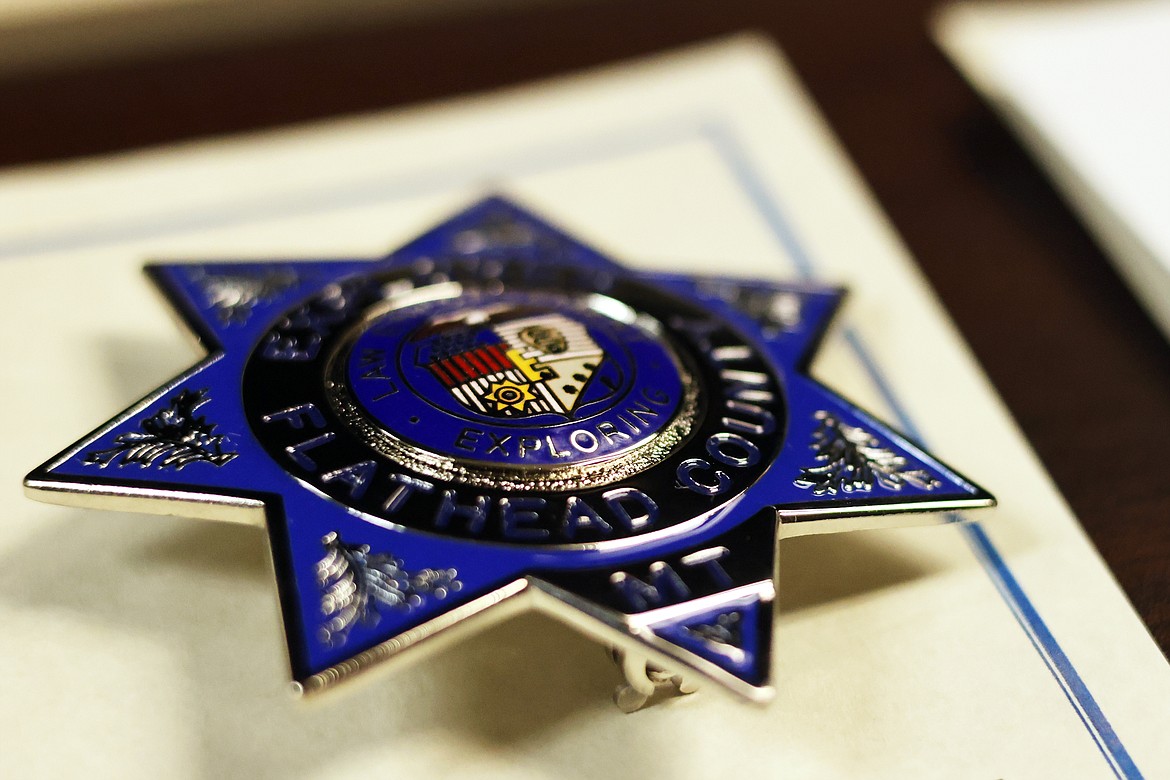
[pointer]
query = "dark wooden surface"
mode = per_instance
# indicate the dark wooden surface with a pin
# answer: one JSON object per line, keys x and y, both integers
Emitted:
{"x": 1082, "y": 368}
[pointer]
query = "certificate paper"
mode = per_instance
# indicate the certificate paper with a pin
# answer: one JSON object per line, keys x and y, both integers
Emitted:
{"x": 146, "y": 646}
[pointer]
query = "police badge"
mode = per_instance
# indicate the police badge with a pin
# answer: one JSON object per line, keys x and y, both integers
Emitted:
{"x": 497, "y": 417}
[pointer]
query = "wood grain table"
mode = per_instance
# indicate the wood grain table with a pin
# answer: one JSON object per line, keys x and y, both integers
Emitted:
{"x": 1081, "y": 367}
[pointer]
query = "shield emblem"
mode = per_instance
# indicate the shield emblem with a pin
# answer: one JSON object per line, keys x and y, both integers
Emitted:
{"x": 513, "y": 366}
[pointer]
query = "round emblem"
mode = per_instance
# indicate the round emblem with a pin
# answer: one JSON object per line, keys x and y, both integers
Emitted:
{"x": 545, "y": 389}
{"x": 584, "y": 412}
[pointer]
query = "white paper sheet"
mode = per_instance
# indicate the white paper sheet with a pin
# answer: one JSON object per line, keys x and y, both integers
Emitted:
{"x": 1085, "y": 84}
{"x": 147, "y": 646}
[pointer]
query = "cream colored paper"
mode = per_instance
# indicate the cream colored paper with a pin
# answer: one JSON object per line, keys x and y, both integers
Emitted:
{"x": 147, "y": 646}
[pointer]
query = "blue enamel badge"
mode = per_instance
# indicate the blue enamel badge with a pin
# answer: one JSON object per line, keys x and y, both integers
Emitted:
{"x": 497, "y": 416}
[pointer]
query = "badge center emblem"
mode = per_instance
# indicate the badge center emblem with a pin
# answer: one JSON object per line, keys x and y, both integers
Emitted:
{"x": 567, "y": 383}
{"x": 547, "y": 388}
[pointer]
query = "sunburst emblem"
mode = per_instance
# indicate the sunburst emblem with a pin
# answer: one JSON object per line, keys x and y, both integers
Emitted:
{"x": 510, "y": 395}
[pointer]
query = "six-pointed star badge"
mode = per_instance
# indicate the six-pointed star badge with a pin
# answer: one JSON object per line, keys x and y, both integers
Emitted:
{"x": 497, "y": 417}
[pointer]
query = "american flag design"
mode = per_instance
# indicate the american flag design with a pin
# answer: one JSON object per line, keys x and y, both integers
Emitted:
{"x": 513, "y": 367}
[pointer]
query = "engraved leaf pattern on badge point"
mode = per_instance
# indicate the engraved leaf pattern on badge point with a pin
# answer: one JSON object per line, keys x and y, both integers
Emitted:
{"x": 234, "y": 295}
{"x": 356, "y": 585}
{"x": 171, "y": 437}
{"x": 776, "y": 311}
{"x": 852, "y": 459}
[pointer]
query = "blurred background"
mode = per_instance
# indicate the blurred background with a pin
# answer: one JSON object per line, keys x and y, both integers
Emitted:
{"x": 1079, "y": 362}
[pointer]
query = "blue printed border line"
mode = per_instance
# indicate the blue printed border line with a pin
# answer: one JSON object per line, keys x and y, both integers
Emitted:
{"x": 643, "y": 138}
{"x": 985, "y": 551}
